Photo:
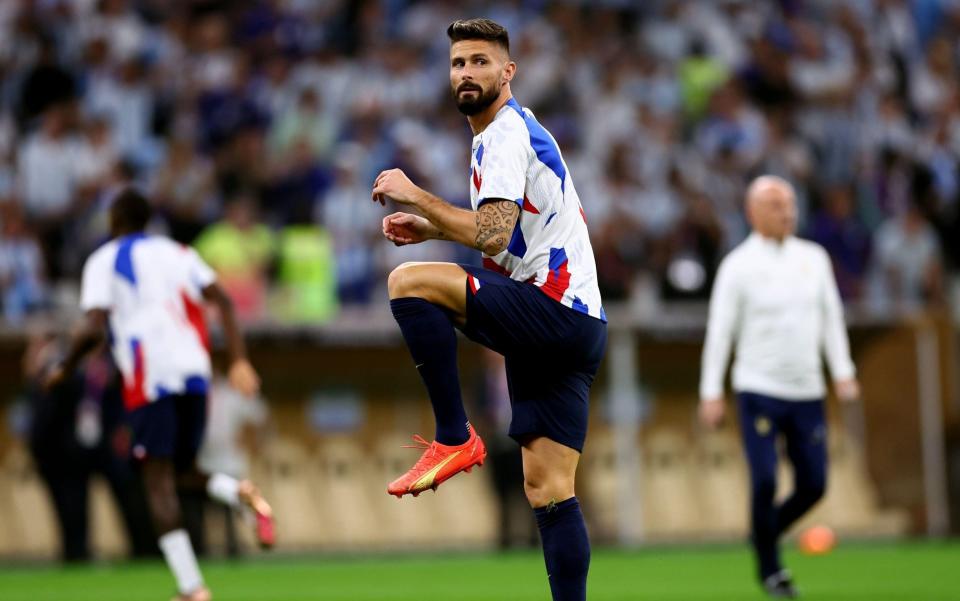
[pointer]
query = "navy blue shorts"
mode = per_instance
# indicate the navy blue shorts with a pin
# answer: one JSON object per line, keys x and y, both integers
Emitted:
{"x": 170, "y": 427}
{"x": 552, "y": 354}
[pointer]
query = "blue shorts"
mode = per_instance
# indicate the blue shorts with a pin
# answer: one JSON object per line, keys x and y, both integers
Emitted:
{"x": 552, "y": 354}
{"x": 170, "y": 427}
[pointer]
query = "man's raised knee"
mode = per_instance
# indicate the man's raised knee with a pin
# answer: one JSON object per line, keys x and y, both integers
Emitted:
{"x": 399, "y": 283}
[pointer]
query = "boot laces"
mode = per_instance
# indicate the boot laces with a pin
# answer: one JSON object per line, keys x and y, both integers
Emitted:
{"x": 429, "y": 449}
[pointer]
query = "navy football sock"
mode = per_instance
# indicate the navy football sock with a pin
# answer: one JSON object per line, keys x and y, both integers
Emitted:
{"x": 433, "y": 344}
{"x": 566, "y": 549}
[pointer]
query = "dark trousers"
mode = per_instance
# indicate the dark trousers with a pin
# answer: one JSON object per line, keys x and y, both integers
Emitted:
{"x": 764, "y": 419}
{"x": 67, "y": 476}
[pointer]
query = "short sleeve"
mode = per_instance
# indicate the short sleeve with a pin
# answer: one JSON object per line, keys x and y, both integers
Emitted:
{"x": 504, "y": 168}
{"x": 95, "y": 283}
{"x": 201, "y": 274}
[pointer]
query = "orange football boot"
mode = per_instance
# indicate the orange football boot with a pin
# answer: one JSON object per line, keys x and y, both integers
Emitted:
{"x": 438, "y": 464}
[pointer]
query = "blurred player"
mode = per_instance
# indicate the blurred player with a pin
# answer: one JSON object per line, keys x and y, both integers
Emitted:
{"x": 777, "y": 297}
{"x": 536, "y": 302}
{"x": 144, "y": 293}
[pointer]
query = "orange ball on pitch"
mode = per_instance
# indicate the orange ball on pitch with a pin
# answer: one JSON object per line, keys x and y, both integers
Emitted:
{"x": 817, "y": 540}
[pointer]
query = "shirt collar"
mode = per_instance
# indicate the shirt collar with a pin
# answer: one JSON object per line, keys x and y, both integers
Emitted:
{"x": 769, "y": 244}
{"x": 510, "y": 105}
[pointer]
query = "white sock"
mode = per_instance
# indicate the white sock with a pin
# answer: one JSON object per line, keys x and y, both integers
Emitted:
{"x": 178, "y": 552}
{"x": 224, "y": 488}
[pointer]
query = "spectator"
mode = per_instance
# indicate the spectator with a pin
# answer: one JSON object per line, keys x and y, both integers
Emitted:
{"x": 838, "y": 228}
{"x": 240, "y": 250}
{"x": 933, "y": 81}
{"x": 128, "y": 101}
{"x": 48, "y": 176}
{"x": 47, "y": 84}
{"x": 700, "y": 76}
{"x": 306, "y": 272}
{"x": 23, "y": 287}
{"x": 694, "y": 247}
{"x": 184, "y": 190}
{"x": 907, "y": 271}
{"x": 732, "y": 128}
{"x": 354, "y": 224}
{"x": 123, "y": 30}
{"x": 97, "y": 155}
{"x": 306, "y": 121}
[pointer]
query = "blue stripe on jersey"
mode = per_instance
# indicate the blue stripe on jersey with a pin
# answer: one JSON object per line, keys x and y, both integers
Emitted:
{"x": 603, "y": 315}
{"x": 480, "y": 154}
{"x": 123, "y": 264}
{"x": 579, "y": 305}
{"x": 550, "y": 218}
{"x": 558, "y": 257}
{"x": 543, "y": 144}
{"x": 517, "y": 246}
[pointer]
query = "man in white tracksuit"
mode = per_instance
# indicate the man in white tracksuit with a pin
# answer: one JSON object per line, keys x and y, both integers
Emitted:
{"x": 776, "y": 297}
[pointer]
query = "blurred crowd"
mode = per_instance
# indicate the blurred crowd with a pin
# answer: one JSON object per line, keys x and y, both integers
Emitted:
{"x": 257, "y": 128}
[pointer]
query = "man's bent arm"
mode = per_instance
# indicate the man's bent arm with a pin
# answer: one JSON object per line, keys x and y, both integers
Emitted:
{"x": 487, "y": 229}
{"x": 231, "y": 330}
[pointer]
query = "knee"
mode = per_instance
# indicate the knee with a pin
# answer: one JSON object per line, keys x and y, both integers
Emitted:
{"x": 536, "y": 493}
{"x": 164, "y": 505}
{"x": 401, "y": 282}
{"x": 541, "y": 492}
{"x": 765, "y": 486}
{"x": 812, "y": 488}
{"x": 165, "y": 510}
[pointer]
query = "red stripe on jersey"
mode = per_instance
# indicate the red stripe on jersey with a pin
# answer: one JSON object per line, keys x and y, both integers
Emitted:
{"x": 528, "y": 206}
{"x": 489, "y": 264}
{"x": 194, "y": 313}
{"x": 558, "y": 280}
{"x": 477, "y": 179}
{"x": 133, "y": 393}
{"x": 473, "y": 284}
{"x": 584, "y": 215}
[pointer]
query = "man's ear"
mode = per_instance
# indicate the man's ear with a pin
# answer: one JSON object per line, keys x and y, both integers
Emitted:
{"x": 509, "y": 70}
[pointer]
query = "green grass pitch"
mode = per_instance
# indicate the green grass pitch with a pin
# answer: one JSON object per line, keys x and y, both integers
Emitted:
{"x": 867, "y": 572}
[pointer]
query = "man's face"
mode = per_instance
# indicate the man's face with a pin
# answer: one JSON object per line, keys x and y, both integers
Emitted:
{"x": 478, "y": 70}
{"x": 774, "y": 212}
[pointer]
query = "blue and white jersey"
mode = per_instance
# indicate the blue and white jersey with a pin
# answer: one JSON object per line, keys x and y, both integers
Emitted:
{"x": 516, "y": 159}
{"x": 152, "y": 288}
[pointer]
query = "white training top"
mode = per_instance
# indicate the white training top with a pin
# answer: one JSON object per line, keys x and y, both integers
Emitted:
{"x": 516, "y": 159}
{"x": 228, "y": 412}
{"x": 780, "y": 303}
{"x": 152, "y": 288}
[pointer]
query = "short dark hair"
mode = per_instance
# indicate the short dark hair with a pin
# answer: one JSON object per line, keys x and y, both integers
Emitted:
{"x": 479, "y": 29}
{"x": 130, "y": 211}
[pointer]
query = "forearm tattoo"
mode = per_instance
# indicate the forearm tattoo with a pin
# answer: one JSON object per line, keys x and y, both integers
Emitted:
{"x": 495, "y": 222}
